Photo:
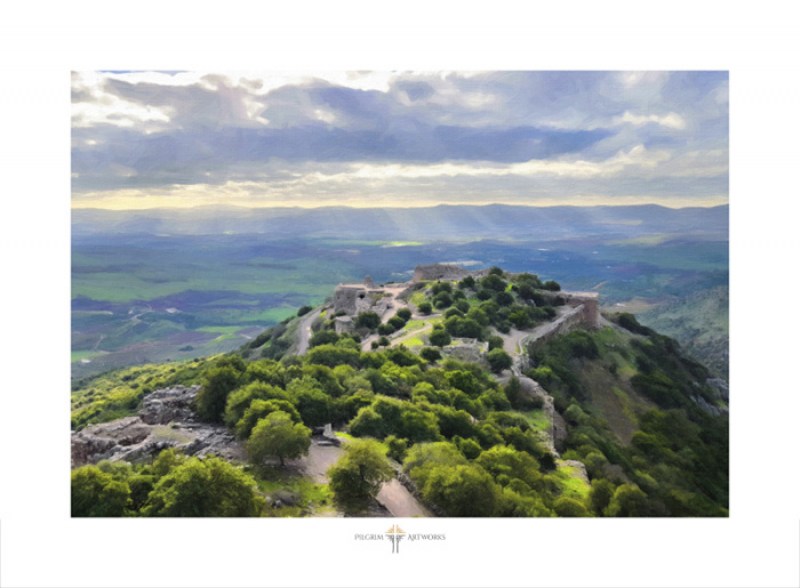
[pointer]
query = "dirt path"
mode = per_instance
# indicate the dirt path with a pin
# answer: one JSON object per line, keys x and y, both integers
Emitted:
{"x": 304, "y": 331}
{"x": 393, "y": 495}
{"x": 400, "y": 502}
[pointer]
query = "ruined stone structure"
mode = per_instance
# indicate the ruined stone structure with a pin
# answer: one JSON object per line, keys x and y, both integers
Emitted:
{"x": 344, "y": 324}
{"x": 589, "y": 303}
{"x": 345, "y": 298}
{"x": 353, "y": 299}
{"x": 467, "y": 350}
{"x": 439, "y": 271}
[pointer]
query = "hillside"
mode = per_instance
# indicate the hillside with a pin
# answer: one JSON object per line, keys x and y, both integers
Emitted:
{"x": 453, "y": 394}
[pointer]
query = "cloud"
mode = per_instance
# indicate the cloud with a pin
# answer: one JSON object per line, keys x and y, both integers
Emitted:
{"x": 670, "y": 120}
{"x": 147, "y": 137}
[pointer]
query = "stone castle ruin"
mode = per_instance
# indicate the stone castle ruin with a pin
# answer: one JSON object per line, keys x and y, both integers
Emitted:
{"x": 349, "y": 300}
{"x": 439, "y": 271}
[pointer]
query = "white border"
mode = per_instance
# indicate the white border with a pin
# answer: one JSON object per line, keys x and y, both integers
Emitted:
{"x": 39, "y": 44}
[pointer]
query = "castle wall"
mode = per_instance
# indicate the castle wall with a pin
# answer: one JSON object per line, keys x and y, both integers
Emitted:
{"x": 438, "y": 271}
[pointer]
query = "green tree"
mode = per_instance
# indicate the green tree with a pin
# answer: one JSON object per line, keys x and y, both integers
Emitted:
{"x": 425, "y": 307}
{"x": 628, "y": 501}
{"x": 468, "y": 282}
{"x": 304, "y": 310}
{"x": 312, "y": 403}
{"x": 463, "y": 491}
{"x": 499, "y": 360}
{"x": 423, "y": 458}
{"x": 333, "y": 355}
{"x": 367, "y": 320}
{"x": 209, "y": 487}
{"x": 430, "y": 354}
{"x": 439, "y": 338}
{"x": 95, "y": 493}
{"x": 324, "y": 337}
{"x": 600, "y": 495}
{"x": 569, "y": 507}
{"x": 493, "y": 282}
{"x": 494, "y": 341}
{"x": 507, "y": 463}
{"x": 217, "y": 384}
{"x": 397, "y": 447}
{"x": 404, "y": 313}
{"x": 276, "y": 435}
{"x": 240, "y": 399}
{"x": 259, "y": 409}
{"x": 359, "y": 474}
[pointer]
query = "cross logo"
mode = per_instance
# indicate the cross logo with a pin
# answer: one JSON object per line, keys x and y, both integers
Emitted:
{"x": 395, "y": 534}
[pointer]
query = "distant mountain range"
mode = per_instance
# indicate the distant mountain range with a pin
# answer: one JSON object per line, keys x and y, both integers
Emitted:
{"x": 444, "y": 222}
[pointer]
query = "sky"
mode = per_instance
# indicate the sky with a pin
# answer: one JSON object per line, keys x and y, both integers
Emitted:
{"x": 182, "y": 139}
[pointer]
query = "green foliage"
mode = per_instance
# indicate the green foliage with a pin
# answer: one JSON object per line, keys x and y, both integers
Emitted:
{"x": 259, "y": 409}
{"x": 499, "y": 360}
{"x": 569, "y": 507}
{"x": 494, "y": 342}
{"x": 551, "y": 285}
{"x": 397, "y": 447}
{"x": 493, "y": 282}
{"x": 442, "y": 300}
{"x": 462, "y": 491}
{"x": 439, "y": 338}
{"x": 425, "y": 307}
{"x": 430, "y": 354}
{"x": 386, "y": 329}
{"x": 367, "y": 320}
{"x": 600, "y": 495}
{"x": 423, "y": 458}
{"x": 303, "y": 310}
{"x": 386, "y": 416}
{"x": 359, "y": 474}
{"x": 213, "y": 395}
{"x": 240, "y": 399}
{"x": 463, "y": 327}
{"x": 404, "y": 313}
{"x": 627, "y": 321}
{"x": 507, "y": 464}
{"x": 276, "y": 435}
{"x": 95, "y": 493}
{"x": 468, "y": 282}
{"x": 333, "y": 355}
{"x": 323, "y": 337}
{"x": 209, "y": 487}
{"x": 118, "y": 394}
{"x": 469, "y": 447}
{"x": 312, "y": 403}
{"x": 628, "y": 501}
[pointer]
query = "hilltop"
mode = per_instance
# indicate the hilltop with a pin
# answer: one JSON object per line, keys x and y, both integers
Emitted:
{"x": 480, "y": 393}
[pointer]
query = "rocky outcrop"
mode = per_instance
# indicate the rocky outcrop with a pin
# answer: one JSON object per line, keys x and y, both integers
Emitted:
{"x": 169, "y": 404}
{"x": 165, "y": 420}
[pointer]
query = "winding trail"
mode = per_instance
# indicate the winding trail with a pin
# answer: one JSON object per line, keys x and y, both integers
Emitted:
{"x": 393, "y": 496}
{"x": 304, "y": 331}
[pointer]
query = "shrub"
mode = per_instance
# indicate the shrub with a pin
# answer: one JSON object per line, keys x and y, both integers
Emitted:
{"x": 367, "y": 320}
{"x": 499, "y": 360}
{"x": 209, "y": 487}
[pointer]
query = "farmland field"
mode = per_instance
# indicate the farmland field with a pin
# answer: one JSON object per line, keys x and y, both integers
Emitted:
{"x": 144, "y": 297}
